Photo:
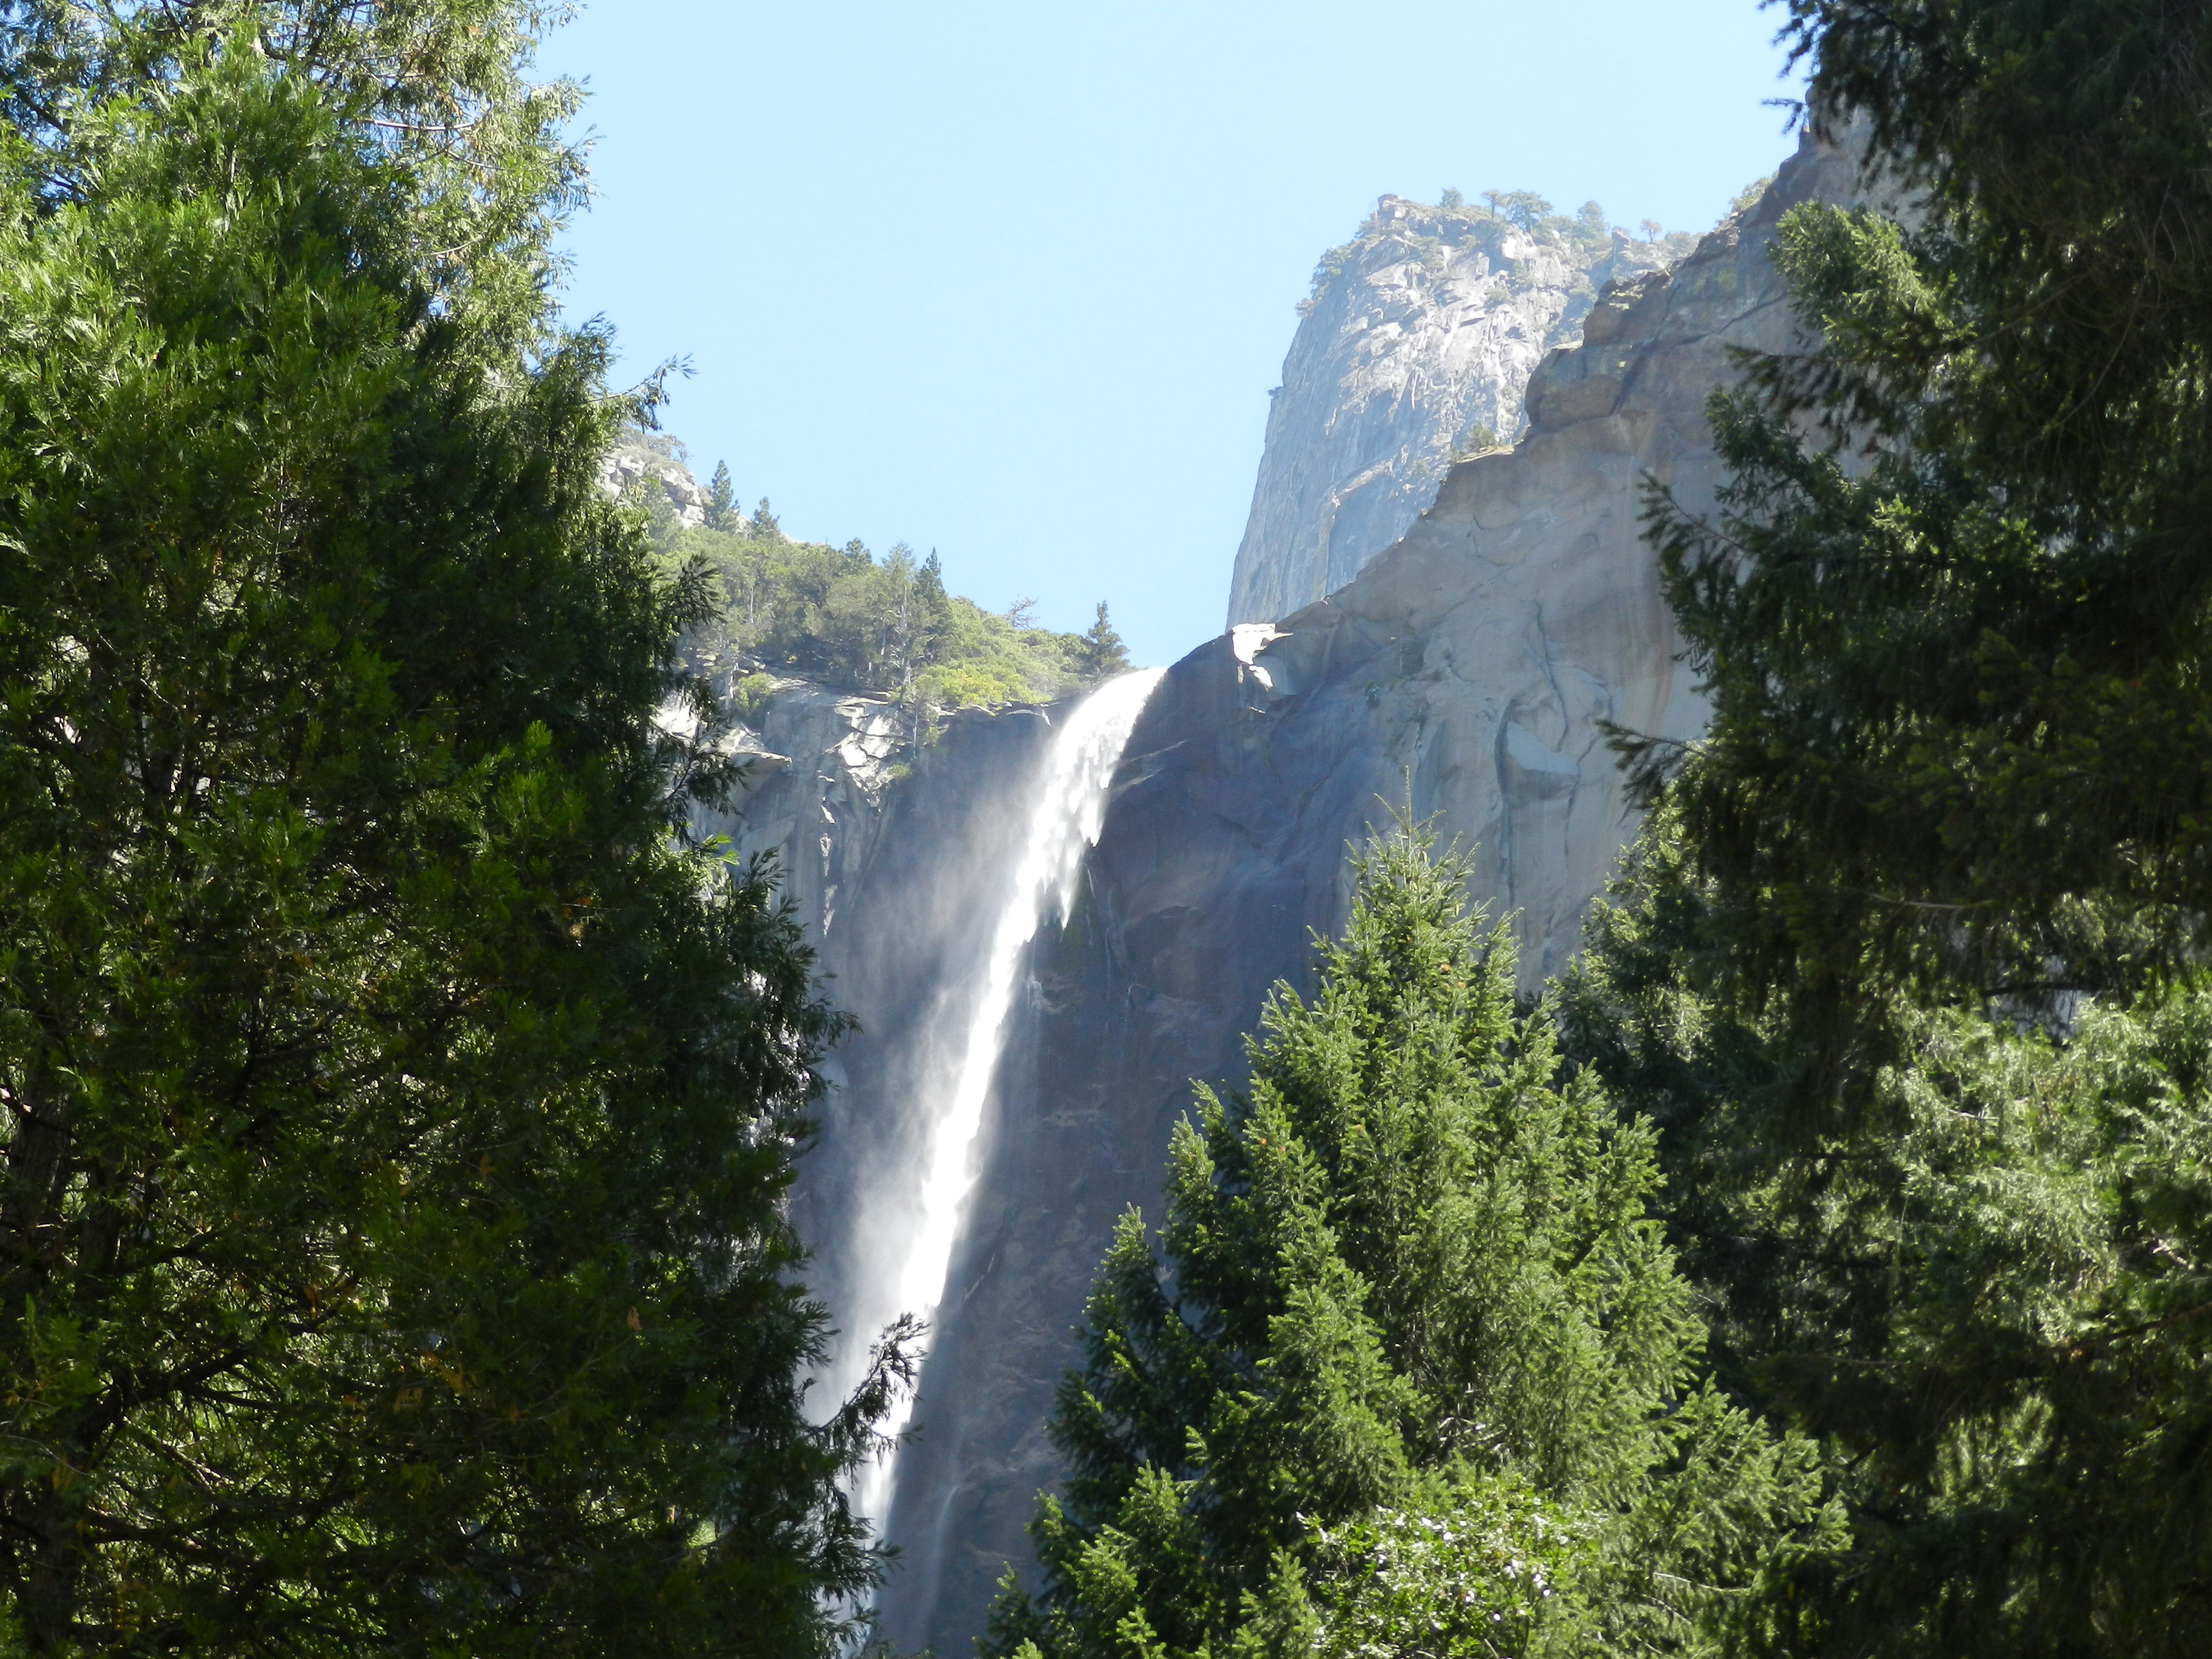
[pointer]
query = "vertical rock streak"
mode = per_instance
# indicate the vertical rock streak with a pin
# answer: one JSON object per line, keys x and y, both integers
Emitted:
{"x": 1064, "y": 817}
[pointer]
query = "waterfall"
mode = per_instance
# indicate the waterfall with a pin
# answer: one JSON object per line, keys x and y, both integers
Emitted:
{"x": 904, "y": 1258}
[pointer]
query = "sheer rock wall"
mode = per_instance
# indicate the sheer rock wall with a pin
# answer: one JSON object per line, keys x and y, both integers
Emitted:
{"x": 1464, "y": 673}
{"x": 884, "y": 851}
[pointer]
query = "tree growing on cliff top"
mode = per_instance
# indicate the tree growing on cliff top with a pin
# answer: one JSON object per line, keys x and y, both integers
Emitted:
{"x": 1413, "y": 1373}
{"x": 396, "y": 1114}
{"x": 888, "y": 625}
{"x": 721, "y": 500}
{"x": 1103, "y": 651}
{"x": 1522, "y": 208}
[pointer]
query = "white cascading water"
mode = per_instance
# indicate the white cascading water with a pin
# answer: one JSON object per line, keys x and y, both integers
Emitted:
{"x": 909, "y": 1269}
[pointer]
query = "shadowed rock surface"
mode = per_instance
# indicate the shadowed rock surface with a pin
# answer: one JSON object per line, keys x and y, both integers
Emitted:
{"x": 1465, "y": 671}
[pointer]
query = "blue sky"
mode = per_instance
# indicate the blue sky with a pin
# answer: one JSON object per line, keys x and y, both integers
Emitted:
{"x": 1013, "y": 281}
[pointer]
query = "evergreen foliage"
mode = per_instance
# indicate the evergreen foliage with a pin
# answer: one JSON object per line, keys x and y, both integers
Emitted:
{"x": 1414, "y": 1362}
{"x": 888, "y": 625}
{"x": 1909, "y": 969}
{"x": 1103, "y": 651}
{"x": 436, "y": 88}
{"x": 721, "y": 500}
{"x": 395, "y": 1112}
{"x": 1956, "y": 646}
{"x": 842, "y": 616}
{"x": 1988, "y": 1296}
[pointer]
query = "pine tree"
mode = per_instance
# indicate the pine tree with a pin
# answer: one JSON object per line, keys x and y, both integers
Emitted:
{"x": 1103, "y": 653}
{"x": 909, "y": 600}
{"x": 1910, "y": 968}
{"x": 1956, "y": 641}
{"x": 1524, "y": 208}
{"x": 931, "y": 580}
{"x": 922, "y": 639}
{"x": 721, "y": 500}
{"x": 1407, "y": 1287}
{"x": 1988, "y": 1297}
{"x": 397, "y": 1112}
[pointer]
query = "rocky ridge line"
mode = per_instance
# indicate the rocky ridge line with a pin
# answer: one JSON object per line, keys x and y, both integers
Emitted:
{"x": 640, "y": 455}
{"x": 1411, "y": 354}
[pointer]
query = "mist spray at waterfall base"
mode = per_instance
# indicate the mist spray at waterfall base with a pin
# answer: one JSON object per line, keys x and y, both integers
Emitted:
{"x": 901, "y": 1260}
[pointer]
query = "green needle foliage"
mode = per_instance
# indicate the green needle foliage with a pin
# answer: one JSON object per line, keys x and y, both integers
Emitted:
{"x": 886, "y": 624}
{"x": 1957, "y": 643}
{"x": 395, "y": 1112}
{"x": 1103, "y": 651}
{"x": 1909, "y": 969}
{"x": 1991, "y": 1297}
{"x": 1417, "y": 1374}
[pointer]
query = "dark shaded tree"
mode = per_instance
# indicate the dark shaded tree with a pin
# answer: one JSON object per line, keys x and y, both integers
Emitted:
{"x": 1909, "y": 971}
{"x": 396, "y": 1111}
{"x": 1989, "y": 1300}
{"x": 1952, "y": 613}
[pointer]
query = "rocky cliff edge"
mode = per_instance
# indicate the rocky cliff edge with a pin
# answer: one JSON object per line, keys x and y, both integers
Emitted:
{"x": 1465, "y": 674}
{"x": 1413, "y": 352}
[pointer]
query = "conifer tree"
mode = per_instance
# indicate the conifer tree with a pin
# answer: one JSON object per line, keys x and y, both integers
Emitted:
{"x": 1990, "y": 1300}
{"x": 1406, "y": 1290}
{"x": 721, "y": 500}
{"x": 1103, "y": 653}
{"x": 395, "y": 1112}
{"x": 1952, "y": 614}
{"x": 1910, "y": 968}
{"x": 1521, "y": 207}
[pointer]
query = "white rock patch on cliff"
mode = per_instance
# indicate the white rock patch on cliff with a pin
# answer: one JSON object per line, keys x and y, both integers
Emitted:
{"x": 1412, "y": 353}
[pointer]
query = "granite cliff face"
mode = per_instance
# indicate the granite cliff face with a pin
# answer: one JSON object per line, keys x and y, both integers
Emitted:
{"x": 1463, "y": 672}
{"x": 882, "y": 848}
{"x": 818, "y": 764}
{"x": 1412, "y": 353}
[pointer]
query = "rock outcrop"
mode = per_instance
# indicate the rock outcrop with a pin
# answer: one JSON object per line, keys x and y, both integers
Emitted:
{"x": 818, "y": 764}
{"x": 1412, "y": 353}
{"x": 1464, "y": 673}
{"x": 657, "y": 456}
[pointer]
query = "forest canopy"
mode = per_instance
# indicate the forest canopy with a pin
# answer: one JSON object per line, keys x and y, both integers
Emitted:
{"x": 1414, "y": 1370}
{"x": 397, "y": 1105}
